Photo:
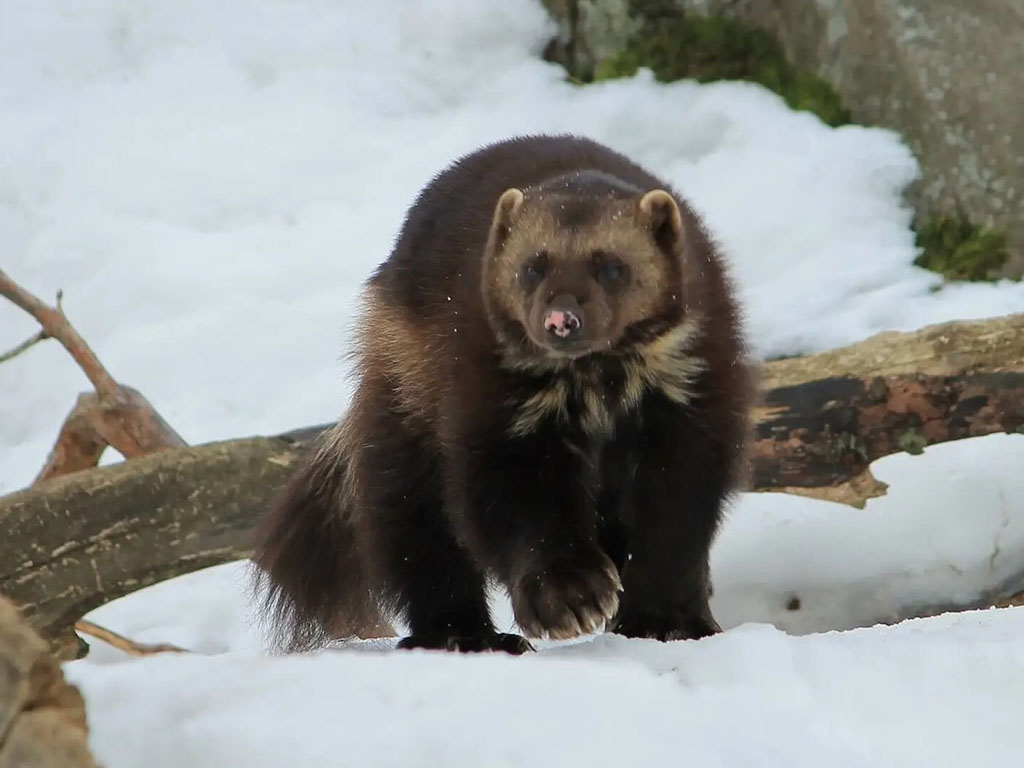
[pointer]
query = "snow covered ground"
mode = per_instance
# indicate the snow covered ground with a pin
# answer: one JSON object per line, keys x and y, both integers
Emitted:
{"x": 210, "y": 182}
{"x": 933, "y": 692}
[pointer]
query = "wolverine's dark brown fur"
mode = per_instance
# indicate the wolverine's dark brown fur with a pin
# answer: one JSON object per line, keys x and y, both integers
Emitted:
{"x": 552, "y": 392}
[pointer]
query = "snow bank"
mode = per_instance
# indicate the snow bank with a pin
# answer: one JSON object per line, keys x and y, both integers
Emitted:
{"x": 210, "y": 183}
{"x": 934, "y": 692}
{"x": 948, "y": 533}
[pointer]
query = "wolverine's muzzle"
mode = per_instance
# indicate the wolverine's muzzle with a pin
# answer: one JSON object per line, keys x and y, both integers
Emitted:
{"x": 563, "y": 323}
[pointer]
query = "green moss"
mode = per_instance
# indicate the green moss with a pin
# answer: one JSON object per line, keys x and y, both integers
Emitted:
{"x": 959, "y": 249}
{"x": 675, "y": 45}
{"x": 912, "y": 440}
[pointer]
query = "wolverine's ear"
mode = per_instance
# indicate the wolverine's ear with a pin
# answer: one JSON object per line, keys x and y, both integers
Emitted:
{"x": 658, "y": 212}
{"x": 505, "y": 213}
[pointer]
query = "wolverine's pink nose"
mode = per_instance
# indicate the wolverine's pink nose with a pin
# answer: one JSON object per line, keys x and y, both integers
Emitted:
{"x": 561, "y": 322}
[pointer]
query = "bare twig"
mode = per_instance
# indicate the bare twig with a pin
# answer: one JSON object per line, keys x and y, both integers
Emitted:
{"x": 114, "y": 415}
{"x": 30, "y": 342}
{"x": 56, "y": 324}
{"x": 123, "y": 643}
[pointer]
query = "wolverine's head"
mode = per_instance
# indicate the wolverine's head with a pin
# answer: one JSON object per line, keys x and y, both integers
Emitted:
{"x": 570, "y": 270}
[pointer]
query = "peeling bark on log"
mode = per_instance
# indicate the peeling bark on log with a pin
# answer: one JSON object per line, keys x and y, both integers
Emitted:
{"x": 42, "y": 717}
{"x": 824, "y": 418}
{"x": 820, "y": 434}
{"x": 80, "y": 540}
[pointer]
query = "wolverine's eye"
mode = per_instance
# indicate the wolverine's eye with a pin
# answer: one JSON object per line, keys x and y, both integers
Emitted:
{"x": 609, "y": 270}
{"x": 534, "y": 268}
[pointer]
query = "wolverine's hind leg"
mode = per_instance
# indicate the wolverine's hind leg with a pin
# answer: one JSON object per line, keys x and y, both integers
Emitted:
{"x": 423, "y": 571}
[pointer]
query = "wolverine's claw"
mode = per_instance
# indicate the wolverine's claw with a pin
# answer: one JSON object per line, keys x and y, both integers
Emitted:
{"x": 566, "y": 598}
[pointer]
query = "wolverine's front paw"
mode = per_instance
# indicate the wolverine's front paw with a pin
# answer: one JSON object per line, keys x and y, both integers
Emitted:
{"x": 665, "y": 625}
{"x": 564, "y": 598}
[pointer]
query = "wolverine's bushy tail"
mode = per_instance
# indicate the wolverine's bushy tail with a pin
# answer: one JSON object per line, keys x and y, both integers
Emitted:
{"x": 308, "y": 576}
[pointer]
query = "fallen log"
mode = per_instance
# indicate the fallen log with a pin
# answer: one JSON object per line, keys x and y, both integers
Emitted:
{"x": 77, "y": 541}
{"x": 80, "y": 540}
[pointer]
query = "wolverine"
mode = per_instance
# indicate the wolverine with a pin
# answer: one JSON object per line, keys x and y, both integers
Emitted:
{"x": 551, "y": 393}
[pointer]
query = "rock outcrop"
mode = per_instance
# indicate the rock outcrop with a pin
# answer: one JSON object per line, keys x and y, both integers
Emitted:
{"x": 946, "y": 74}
